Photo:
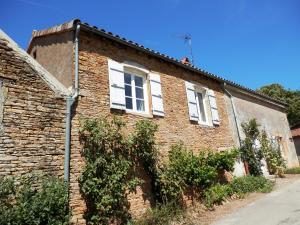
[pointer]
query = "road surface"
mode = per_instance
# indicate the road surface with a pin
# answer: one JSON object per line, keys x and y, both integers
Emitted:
{"x": 280, "y": 207}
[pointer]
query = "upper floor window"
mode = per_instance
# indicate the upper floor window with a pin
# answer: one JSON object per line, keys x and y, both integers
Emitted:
{"x": 135, "y": 92}
{"x": 202, "y": 104}
{"x": 129, "y": 84}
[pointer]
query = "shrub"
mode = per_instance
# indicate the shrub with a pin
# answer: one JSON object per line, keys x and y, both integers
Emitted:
{"x": 223, "y": 160}
{"x": 248, "y": 184}
{"x": 240, "y": 186}
{"x": 295, "y": 170}
{"x": 33, "y": 200}
{"x": 186, "y": 169}
{"x": 162, "y": 214}
{"x": 217, "y": 194}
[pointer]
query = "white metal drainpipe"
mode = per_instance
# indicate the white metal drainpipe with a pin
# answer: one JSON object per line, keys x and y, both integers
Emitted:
{"x": 70, "y": 102}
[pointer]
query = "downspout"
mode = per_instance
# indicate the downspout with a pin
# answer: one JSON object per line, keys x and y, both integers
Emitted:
{"x": 70, "y": 101}
{"x": 234, "y": 113}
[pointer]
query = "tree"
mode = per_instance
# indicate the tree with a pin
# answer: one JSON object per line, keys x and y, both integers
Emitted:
{"x": 291, "y": 97}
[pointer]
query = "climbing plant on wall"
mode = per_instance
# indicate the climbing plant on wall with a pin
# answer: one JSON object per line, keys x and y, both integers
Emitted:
{"x": 249, "y": 151}
{"x": 272, "y": 154}
{"x": 112, "y": 156}
{"x": 107, "y": 179}
{"x": 257, "y": 146}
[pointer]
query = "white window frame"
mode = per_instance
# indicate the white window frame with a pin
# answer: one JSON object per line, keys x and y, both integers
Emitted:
{"x": 143, "y": 75}
{"x": 207, "y": 111}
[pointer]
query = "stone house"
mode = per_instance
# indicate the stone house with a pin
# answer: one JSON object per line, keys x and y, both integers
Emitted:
{"x": 98, "y": 74}
{"x": 115, "y": 76}
{"x": 296, "y": 136}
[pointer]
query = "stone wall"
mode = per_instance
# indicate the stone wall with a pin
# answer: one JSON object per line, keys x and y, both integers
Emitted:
{"x": 32, "y": 116}
{"x": 174, "y": 127}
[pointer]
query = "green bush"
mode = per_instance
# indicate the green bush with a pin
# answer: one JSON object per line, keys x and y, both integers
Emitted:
{"x": 248, "y": 184}
{"x": 240, "y": 186}
{"x": 295, "y": 170}
{"x": 184, "y": 169}
{"x": 33, "y": 200}
{"x": 217, "y": 194}
{"x": 223, "y": 160}
{"x": 162, "y": 214}
{"x": 188, "y": 170}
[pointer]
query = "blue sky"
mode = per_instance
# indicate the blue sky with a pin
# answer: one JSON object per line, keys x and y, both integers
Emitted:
{"x": 252, "y": 42}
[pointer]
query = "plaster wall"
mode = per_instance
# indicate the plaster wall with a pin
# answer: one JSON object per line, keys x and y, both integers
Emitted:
{"x": 271, "y": 118}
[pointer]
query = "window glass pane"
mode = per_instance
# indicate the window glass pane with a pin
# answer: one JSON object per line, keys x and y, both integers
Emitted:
{"x": 201, "y": 107}
{"x": 140, "y": 106}
{"x": 128, "y": 103}
{"x": 128, "y": 91}
{"x": 127, "y": 78}
{"x": 139, "y": 93}
{"x": 138, "y": 81}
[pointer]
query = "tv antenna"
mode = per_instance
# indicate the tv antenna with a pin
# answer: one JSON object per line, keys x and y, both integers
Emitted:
{"x": 188, "y": 39}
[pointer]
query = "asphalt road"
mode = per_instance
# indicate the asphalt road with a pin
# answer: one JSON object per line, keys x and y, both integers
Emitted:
{"x": 280, "y": 207}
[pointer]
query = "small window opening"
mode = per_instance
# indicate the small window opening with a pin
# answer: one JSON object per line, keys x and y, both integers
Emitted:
{"x": 34, "y": 54}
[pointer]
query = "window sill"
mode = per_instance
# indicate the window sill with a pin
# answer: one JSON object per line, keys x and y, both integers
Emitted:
{"x": 204, "y": 125}
{"x": 146, "y": 115}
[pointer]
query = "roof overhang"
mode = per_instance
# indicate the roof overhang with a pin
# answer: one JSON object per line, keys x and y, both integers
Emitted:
{"x": 101, "y": 32}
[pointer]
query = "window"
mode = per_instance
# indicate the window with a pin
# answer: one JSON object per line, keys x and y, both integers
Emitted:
{"x": 128, "y": 88}
{"x": 200, "y": 99}
{"x": 34, "y": 54}
{"x": 202, "y": 104}
{"x": 135, "y": 92}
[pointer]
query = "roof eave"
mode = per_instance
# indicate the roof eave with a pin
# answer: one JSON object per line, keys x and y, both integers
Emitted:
{"x": 178, "y": 63}
{"x": 71, "y": 25}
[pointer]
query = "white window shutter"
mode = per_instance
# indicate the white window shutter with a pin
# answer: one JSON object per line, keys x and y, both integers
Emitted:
{"x": 157, "y": 100}
{"x": 192, "y": 104}
{"x": 213, "y": 107}
{"x": 116, "y": 85}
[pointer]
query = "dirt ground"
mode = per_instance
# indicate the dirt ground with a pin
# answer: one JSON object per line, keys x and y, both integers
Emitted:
{"x": 199, "y": 215}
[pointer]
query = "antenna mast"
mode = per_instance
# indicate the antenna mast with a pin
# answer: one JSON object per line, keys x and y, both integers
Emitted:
{"x": 188, "y": 39}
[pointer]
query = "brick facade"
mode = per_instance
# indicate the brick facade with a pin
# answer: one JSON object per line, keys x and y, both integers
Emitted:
{"x": 32, "y": 115}
{"x": 94, "y": 100}
{"x": 175, "y": 126}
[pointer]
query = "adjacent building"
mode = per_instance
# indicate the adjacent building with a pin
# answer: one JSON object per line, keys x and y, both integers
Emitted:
{"x": 296, "y": 136}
